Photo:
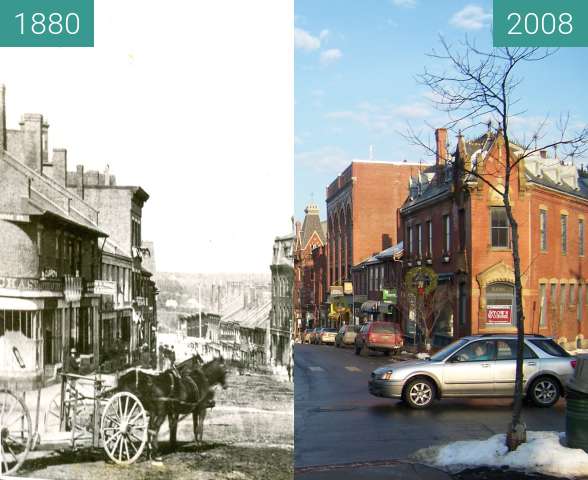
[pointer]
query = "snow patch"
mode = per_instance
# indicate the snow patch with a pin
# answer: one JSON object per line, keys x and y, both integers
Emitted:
{"x": 544, "y": 452}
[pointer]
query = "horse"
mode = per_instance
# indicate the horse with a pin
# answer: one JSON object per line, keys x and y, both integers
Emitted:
{"x": 206, "y": 376}
{"x": 169, "y": 395}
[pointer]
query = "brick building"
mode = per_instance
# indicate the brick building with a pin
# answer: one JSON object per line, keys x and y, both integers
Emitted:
{"x": 279, "y": 332}
{"x": 49, "y": 256}
{"x": 320, "y": 287}
{"x": 362, "y": 208}
{"x": 310, "y": 235}
{"x": 130, "y": 314}
{"x": 457, "y": 225}
{"x": 69, "y": 261}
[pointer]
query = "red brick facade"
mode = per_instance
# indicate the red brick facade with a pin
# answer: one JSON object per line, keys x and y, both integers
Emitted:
{"x": 361, "y": 211}
{"x": 473, "y": 256}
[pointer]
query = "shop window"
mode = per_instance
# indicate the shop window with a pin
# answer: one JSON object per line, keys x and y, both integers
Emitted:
{"x": 443, "y": 330}
{"x": 499, "y": 304}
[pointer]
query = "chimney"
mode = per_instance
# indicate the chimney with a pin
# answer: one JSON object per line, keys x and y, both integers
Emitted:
{"x": 32, "y": 130}
{"x": 441, "y": 138}
{"x": 45, "y": 143}
{"x": 543, "y": 153}
{"x": 2, "y": 117}
{"x": 80, "y": 180}
{"x": 59, "y": 161}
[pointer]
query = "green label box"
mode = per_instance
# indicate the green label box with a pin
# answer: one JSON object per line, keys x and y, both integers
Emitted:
{"x": 46, "y": 23}
{"x": 540, "y": 23}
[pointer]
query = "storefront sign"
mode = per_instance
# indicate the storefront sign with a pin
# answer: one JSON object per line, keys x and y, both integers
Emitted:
{"x": 102, "y": 287}
{"x": 31, "y": 284}
{"x": 348, "y": 288}
{"x": 336, "y": 291}
{"x": 390, "y": 296}
{"x": 498, "y": 314}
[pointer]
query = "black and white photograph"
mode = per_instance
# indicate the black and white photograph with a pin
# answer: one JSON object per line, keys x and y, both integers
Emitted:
{"x": 146, "y": 248}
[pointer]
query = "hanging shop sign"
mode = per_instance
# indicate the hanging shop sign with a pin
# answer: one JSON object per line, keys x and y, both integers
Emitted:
{"x": 101, "y": 287}
{"x": 348, "y": 288}
{"x": 390, "y": 296}
{"x": 336, "y": 291}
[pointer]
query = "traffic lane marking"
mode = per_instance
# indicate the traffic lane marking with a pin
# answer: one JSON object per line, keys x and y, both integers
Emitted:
{"x": 353, "y": 369}
{"x": 316, "y": 369}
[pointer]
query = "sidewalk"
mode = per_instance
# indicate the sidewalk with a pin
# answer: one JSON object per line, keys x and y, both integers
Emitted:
{"x": 384, "y": 470}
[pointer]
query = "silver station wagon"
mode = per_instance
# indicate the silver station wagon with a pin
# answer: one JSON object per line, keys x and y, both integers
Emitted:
{"x": 478, "y": 366}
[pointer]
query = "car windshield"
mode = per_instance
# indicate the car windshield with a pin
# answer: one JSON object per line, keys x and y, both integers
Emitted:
{"x": 384, "y": 327}
{"x": 326, "y": 330}
{"x": 550, "y": 347}
{"x": 448, "y": 350}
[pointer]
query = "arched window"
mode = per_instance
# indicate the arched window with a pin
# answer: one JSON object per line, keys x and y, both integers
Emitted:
{"x": 499, "y": 303}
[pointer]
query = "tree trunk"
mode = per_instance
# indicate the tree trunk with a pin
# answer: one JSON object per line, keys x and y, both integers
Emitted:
{"x": 517, "y": 432}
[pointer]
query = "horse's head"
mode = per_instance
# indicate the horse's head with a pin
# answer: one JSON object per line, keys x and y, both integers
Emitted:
{"x": 216, "y": 372}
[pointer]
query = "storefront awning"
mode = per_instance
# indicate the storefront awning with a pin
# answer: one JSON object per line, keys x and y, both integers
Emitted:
{"x": 8, "y": 303}
{"x": 371, "y": 306}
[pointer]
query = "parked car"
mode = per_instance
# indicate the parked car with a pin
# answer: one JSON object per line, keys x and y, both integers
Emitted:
{"x": 346, "y": 335}
{"x": 379, "y": 336}
{"x": 327, "y": 335}
{"x": 479, "y": 366}
{"x": 315, "y": 335}
{"x": 308, "y": 335}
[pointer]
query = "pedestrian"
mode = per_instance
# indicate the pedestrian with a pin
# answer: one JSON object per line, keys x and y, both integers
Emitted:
{"x": 172, "y": 356}
{"x": 72, "y": 363}
{"x": 160, "y": 357}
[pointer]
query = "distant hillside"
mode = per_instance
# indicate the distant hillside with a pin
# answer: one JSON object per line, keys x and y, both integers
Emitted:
{"x": 180, "y": 290}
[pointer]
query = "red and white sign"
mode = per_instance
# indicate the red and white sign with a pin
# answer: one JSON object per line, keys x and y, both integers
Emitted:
{"x": 499, "y": 314}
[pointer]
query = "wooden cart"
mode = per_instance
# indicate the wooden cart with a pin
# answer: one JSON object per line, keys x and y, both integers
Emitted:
{"x": 85, "y": 414}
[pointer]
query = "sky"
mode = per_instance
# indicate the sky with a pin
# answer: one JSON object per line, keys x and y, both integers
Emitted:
{"x": 356, "y": 70}
{"x": 194, "y": 103}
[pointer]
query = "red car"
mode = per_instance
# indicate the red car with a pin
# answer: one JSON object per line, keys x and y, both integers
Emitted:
{"x": 379, "y": 337}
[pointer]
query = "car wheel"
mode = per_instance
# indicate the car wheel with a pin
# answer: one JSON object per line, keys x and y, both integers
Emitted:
{"x": 544, "y": 392}
{"x": 419, "y": 393}
{"x": 387, "y": 353}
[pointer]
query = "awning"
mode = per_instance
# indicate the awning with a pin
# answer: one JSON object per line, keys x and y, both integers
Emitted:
{"x": 395, "y": 252}
{"x": 29, "y": 304}
{"x": 371, "y": 306}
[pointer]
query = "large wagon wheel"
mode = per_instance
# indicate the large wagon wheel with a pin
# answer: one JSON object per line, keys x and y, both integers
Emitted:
{"x": 15, "y": 432}
{"x": 124, "y": 428}
{"x": 84, "y": 414}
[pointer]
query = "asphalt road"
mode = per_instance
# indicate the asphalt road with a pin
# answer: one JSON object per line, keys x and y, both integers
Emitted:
{"x": 337, "y": 421}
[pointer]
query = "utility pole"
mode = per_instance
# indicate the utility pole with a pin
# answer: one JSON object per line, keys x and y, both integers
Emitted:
{"x": 200, "y": 311}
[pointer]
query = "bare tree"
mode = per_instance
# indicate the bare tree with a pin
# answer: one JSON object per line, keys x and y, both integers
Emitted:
{"x": 476, "y": 87}
{"x": 425, "y": 308}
